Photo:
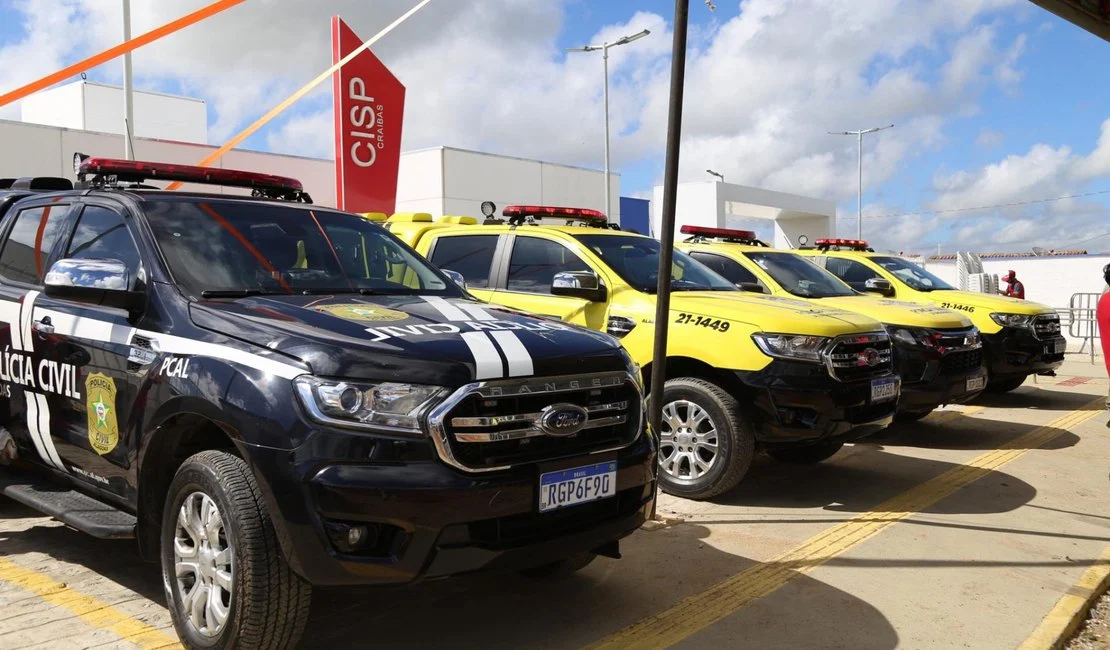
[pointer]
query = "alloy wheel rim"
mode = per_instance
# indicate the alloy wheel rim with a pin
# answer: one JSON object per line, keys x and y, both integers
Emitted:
{"x": 688, "y": 441}
{"x": 204, "y": 564}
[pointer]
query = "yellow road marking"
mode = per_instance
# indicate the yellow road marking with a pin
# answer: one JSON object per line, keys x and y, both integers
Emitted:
{"x": 93, "y": 611}
{"x": 699, "y": 611}
{"x": 1067, "y": 615}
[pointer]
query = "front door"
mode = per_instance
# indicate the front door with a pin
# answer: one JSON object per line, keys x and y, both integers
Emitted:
{"x": 94, "y": 385}
{"x": 533, "y": 263}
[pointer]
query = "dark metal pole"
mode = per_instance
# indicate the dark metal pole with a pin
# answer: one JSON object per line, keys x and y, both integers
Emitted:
{"x": 666, "y": 227}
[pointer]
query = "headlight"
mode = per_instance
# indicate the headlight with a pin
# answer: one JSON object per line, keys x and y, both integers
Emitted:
{"x": 1021, "y": 321}
{"x": 911, "y": 336}
{"x": 366, "y": 406}
{"x": 792, "y": 346}
{"x": 619, "y": 326}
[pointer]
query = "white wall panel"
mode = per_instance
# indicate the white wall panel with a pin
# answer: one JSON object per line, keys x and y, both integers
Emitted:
{"x": 62, "y": 106}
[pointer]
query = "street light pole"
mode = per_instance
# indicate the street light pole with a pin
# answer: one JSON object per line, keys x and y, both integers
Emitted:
{"x": 859, "y": 178}
{"x": 128, "y": 107}
{"x": 608, "y": 184}
{"x": 604, "y": 47}
{"x": 717, "y": 174}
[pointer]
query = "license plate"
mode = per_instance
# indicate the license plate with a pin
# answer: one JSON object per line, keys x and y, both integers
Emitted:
{"x": 885, "y": 389}
{"x": 976, "y": 383}
{"x": 570, "y": 487}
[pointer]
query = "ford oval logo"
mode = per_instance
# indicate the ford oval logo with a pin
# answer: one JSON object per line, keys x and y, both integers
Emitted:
{"x": 562, "y": 419}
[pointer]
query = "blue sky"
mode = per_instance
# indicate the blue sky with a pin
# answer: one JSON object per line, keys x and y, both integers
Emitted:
{"x": 994, "y": 101}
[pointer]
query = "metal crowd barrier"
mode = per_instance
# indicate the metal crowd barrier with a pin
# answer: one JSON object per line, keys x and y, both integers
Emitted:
{"x": 1080, "y": 320}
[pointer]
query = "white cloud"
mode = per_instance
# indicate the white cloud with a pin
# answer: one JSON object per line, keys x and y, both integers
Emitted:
{"x": 989, "y": 138}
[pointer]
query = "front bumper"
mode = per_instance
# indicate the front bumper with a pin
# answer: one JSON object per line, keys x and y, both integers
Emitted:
{"x": 930, "y": 381}
{"x": 1015, "y": 352}
{"x": 430, "y": 520}
{"x": 799, "y": 402}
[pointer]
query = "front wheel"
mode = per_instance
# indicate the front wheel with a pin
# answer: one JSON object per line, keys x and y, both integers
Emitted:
{"x": 705, "y": 447}
{"x": 808, "y": 455}
{"x": 227, "y": 583}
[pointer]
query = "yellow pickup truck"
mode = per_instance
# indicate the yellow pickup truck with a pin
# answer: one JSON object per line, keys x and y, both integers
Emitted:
{"x": 744, "y": 370}
{"x": 937, "y": 351}
{"x": 1020, "y": 337}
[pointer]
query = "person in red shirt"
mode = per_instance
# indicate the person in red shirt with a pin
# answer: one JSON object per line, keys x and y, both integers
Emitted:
{"x": 1015, "y": 289}
{"x": 1102, "y": 315}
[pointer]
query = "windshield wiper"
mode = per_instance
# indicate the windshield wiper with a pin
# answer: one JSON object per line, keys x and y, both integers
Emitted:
{"x": 317, "y": 292}
{"x": 240, "y": 293}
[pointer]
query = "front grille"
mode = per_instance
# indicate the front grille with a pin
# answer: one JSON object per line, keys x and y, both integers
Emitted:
{"x": 494, "y": 425}
{"x": 961, "y": 362}
{"x": 1046, "y": 326}
{"x": 859, "y": 356}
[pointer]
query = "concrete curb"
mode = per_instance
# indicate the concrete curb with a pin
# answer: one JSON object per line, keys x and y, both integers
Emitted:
{"x": 1071, "y": 611}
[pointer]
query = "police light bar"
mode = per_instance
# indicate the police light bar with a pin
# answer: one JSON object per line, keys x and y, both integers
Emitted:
{"x": 551, "y": 212}
{"x": 137, "y": 171}
{"x": 721, "y": 233}
{"x": 857, "y": 244}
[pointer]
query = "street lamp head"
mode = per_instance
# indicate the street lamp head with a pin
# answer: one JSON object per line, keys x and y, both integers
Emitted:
{"x": 717, "y": 174}
{"x": 584, "y": 48}
{"x": 634, "y": 37}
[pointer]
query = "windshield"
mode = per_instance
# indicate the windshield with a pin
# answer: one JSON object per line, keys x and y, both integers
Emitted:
{"x": 801, "y": 277}
{"x": 217, "y": 247}
{"x": 913, "y": 275}
{"x": 636, "y": 260}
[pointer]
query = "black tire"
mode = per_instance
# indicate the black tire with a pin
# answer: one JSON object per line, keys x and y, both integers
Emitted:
{"x": 269, "y": 603}
{"x": 1005, "y": 385}
{"x": 735, "y": 442}
{"x": 911, "y": 416}
{"x": 560, "y": 568}
{"x": 808, "y": 455}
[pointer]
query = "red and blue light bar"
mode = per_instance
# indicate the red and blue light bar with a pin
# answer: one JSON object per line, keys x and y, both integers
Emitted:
{"x": 553, "y": 212}
{"x": 719, "y": 233}
{"x": 137, "y": 170}
{"x": 857, "y": 244}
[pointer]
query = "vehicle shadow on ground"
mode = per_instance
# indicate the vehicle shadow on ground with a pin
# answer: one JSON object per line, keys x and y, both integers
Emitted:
{"x": 496, "y": 611}
{"x": 508, "y": 611}
{"x": 1040, "y": 399}
{"x": 953, "y": 430}
{"x": 860, "y": 479}
{"x": 116, "y": 560}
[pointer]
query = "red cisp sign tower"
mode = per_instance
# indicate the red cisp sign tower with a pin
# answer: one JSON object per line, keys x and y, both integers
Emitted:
{"x": 369, "y": 111}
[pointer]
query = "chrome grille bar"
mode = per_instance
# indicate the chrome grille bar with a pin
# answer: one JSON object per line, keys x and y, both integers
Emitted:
{"x": 470, "y": 422}
{"x": 531, "y": 432}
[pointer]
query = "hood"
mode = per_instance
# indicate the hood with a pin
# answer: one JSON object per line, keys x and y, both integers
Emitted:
{"x": 989, "y": 303}
{"x": 773, "y": 314}
{"x": 415, "y": 339}
{"x": 897, "y": 312}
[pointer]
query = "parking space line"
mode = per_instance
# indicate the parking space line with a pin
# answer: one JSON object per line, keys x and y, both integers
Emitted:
{"x": 699, "y": 611}
{"x": 1066, "y": 617}
{"x": 92, "y": 611}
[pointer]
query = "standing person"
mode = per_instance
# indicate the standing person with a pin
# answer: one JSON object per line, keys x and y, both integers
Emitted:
{"x": 1102, "y": 315}
{"x": 1015, "y": 288}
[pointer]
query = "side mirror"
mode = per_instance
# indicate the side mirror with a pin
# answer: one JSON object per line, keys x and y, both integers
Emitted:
{"x": 455, "y": 277}
{"x": 753, "y": 287}
{"x": 579, "y": 284}
{"x": 879, "y": 285}
{"x": 95, "y": 282}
